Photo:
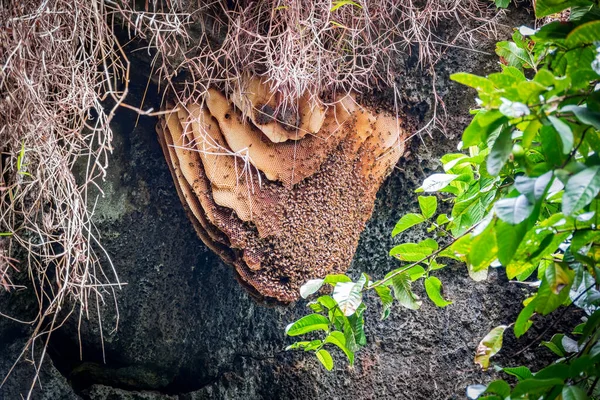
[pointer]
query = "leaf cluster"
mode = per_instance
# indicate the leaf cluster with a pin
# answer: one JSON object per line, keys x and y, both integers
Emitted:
{"x": 524, "y": 195}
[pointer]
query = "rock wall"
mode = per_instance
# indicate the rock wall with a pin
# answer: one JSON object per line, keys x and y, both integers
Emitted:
{"x": 187, "y": 330}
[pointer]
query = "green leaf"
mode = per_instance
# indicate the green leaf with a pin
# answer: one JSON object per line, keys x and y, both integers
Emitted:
{"x": 307, "y": 324}
{"x": 348, "y": 295}
{"x": 335, "y": 278}
{"x": 552, "y": 145}
{"x": 513, "y": 210}
{"x": 484, "y": 250}
{"x": 581, "y": 189}
{"x": 325, "y": 358}
{"x": 502, "y": 3}
{"x": 500, "y": 152}
{"x": 417, "y": 271}
{"x": 436, "y": 182}
{"x": 584, "y": 115}
{"x": 489, "y": 346}
{"x": 411, "y": 251}
{"x": 513, "y": 54}
{"x": 499, "y": 387}
{"x": 521, "y": 373}
{"x": 357, "y": 322}
{"x": 407, "y": 221}
{"x": 327, "y": 301}
{"x": 530, "y": 132}
{"x": 557, "y": 370}
{"x": 403, "y": 292}
{"x": 565, "y": 133}
{"x": 508, "y": 238}
{"x": 573, "y": 392}
{"x": 297, "y": 345}
{"x": 590, "y": 325}
{"x": 555, "y": 345}
{"x": 481, "y": 84}
{"x": 310, "y": 287}
{"x": 584, "y": 34}
{"x": 481, "y": 127}
{"x": 433, "y": 287}
{"x": 428, "y": 205}
{"x": 385, "y": 295}
{"x": 554, "y": 289}
{"x": 523, "y": 322}
{"x": 543, "y": 8}
{"x": 539, "y": 242}
{"x": 535, "y": 388}
{"x": 338, "y": 339}
{"x": 442, "y": 219}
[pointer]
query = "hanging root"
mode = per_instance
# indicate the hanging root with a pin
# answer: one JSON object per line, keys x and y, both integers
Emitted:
{"x": 58, "y": 62}
{"x": 301, "y": 46}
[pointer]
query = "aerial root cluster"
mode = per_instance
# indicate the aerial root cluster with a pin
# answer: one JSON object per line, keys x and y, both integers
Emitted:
{"x": 58, "y": 62}
{"x": 303, "y": 46}
{"x": 280, "y": 210}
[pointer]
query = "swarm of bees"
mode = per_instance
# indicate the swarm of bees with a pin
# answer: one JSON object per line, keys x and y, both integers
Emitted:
{"x": 280, "y": 193}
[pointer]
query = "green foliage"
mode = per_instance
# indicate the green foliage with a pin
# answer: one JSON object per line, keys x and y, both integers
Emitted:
{"x": 524, "y": 193}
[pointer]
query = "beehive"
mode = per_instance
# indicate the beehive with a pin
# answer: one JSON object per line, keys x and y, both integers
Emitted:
{"x": 280, "y": 210}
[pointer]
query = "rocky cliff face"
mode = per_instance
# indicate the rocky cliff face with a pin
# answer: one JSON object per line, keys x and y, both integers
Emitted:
{"x": 187, "y": 330}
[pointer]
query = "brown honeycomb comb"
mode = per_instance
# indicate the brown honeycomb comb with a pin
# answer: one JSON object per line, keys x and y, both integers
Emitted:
{"x": 280, "y": 212}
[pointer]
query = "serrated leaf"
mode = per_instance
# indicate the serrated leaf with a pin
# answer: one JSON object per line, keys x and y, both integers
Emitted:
{"x": 407, "y": 221}
{"x": 310, "y": 287}
{"x": 325, "y": 358}
{"x": 581, "y": 189}
{"x": 489, "y": 346}
{"x": 307, "y": 324}
{"x": 428, "y": 205}
{"x": 433, "y": 287}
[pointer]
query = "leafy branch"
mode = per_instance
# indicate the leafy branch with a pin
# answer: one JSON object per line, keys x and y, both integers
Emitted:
{"x": 525, "y": 198}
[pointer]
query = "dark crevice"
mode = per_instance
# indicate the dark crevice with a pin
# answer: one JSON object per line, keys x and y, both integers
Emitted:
{"x": 82, "y": 375}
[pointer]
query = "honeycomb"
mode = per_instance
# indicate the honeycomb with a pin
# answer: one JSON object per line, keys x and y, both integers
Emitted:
{"x": 280, "y": 210}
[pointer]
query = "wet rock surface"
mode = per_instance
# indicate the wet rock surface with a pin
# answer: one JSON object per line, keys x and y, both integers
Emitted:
{"x": 187, "y": 330}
